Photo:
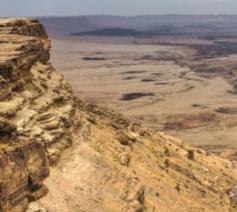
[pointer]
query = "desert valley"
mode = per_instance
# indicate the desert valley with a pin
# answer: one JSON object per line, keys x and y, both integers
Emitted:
{"x": 179, "y": 78}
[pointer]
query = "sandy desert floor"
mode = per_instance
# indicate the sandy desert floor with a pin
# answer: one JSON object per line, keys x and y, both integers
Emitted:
{"x": 176, "y": 85}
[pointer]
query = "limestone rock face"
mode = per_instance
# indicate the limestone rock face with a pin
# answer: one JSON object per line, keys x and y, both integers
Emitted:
{"x": 99, "y": 161}
{"x": 36, "y": 113}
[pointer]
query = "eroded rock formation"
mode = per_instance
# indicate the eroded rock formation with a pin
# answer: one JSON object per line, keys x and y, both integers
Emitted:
{"x": 36, "y": 113}
{"x": 100, "y": 161}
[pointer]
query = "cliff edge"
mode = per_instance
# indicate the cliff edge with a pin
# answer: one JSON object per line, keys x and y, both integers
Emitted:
{"x": 98, "y": 160}
{"x": 36, "y": 113}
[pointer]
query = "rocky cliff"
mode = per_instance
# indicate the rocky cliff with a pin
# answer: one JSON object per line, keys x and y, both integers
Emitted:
{"x": 36, "y": 113}
{"x": 99, "y": 160}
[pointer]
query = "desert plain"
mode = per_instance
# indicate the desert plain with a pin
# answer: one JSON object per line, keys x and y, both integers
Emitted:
{"x": 182, "y": 85}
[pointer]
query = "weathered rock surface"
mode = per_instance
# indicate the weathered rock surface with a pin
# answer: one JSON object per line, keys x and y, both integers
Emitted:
{"x": 100, "y": 161}
{"x": 36, "y": 113}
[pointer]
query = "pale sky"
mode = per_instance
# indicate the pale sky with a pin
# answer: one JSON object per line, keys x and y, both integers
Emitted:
{"x": 114, "y": 7}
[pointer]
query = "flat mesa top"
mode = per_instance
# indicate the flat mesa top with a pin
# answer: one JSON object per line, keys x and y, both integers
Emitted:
{"x": 4, "y": 21}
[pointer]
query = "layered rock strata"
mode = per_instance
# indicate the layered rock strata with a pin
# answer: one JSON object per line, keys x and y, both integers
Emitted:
{"x": 36, "y": 113}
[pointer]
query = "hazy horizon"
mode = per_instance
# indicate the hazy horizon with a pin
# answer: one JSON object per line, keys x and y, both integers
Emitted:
{"x": 52, "y": 8}
{"x": 117, "y": 15}
{"x": 120, "y": 15}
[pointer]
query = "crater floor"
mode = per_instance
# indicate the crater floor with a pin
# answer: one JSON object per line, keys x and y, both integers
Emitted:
{"x": 167, "y": 83}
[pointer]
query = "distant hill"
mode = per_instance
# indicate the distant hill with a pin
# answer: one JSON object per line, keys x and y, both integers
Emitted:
{"x": 110, "y": 32}
{"x": 168, "y": 24}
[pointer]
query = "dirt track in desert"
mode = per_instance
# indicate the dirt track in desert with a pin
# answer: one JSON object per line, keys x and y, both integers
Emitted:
{"x": 169, "y": 84}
